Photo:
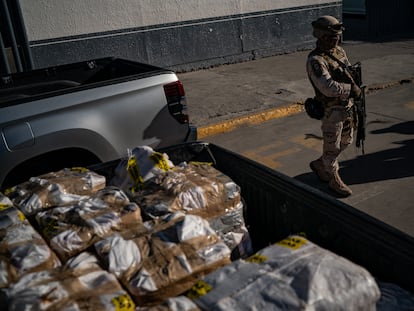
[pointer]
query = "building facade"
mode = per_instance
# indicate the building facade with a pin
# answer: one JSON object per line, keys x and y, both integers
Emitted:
{"x": 179, "y": 34}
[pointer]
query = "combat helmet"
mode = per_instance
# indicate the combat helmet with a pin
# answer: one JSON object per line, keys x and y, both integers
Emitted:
{"x": 327, "y": 25}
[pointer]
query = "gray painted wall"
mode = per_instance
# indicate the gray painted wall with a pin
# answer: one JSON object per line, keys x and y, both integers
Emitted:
{"x": 178, "y": 34}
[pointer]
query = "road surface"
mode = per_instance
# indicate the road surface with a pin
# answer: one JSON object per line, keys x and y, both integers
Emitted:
{"x": 382, "y": 179}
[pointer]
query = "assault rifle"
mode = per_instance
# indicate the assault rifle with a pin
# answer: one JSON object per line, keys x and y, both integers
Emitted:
{"x": 354, "y": 72}
{"x": 359, "y": 103}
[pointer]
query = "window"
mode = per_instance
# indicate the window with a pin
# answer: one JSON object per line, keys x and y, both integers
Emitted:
{"x": 354, "y": 7}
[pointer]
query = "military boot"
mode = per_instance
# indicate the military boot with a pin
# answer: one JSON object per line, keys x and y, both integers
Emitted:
{"x": 318, "y": 168}
{"x": 337, "y": 185}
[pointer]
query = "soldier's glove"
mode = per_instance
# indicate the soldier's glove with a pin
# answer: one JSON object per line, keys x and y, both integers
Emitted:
{"x": 355, "y": 91}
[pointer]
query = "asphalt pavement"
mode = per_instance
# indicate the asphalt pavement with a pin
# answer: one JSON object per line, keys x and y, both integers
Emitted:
{"x": 225, "y": 97}
{"x": 381, "y": 179}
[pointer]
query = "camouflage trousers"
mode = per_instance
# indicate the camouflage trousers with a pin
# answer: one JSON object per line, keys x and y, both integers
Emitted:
{"x": 338, "y": 131}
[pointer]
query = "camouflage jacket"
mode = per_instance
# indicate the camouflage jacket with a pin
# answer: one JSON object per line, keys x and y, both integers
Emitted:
{"x": 328, "y": 77}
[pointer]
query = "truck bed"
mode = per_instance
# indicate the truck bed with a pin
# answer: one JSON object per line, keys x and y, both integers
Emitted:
{"x": 278, "y": 205}
{"x": 47, "y": 82}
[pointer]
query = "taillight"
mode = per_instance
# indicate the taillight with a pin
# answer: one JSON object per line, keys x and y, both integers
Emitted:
{"x": 174, "y": 92}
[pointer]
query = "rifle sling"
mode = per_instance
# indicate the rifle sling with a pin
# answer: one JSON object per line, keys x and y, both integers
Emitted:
{"x": 343, "y": 65}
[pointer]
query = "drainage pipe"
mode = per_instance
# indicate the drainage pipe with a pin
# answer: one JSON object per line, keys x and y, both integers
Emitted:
{"x": 4, "y": 63}
{"x": 24, "y": 42}
{"x": 15, "y": 49}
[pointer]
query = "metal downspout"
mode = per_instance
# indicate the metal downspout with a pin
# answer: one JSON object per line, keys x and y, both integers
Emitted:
{"x": 5, "y": 68}
{"x": 24, "y": 42}
{"x": 9, "y": 26}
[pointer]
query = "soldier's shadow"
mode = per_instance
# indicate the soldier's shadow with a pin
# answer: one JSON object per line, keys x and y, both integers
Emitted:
{"x": 387, "y": 164}
{"x": 382, "y": 165}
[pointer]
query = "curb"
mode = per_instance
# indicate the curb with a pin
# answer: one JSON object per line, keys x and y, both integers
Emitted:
{"x": 263, "y": 116}
{"x": 275, "y": 113}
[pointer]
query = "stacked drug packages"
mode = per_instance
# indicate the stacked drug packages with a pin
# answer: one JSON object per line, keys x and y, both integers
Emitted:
{"x": 166, "y": 260}
{"x": 73, "y": 208}
{"x": 73, "y": 228}
{"x": 22, "y": 249}
{"x": 80, "y": 284}
{"x": 59, "y": 188}
{"x": 147, "y": 234}
{"x": 160, "y": 187}
{"x": 154, "y": 255}
{"x": 49, "y": 220}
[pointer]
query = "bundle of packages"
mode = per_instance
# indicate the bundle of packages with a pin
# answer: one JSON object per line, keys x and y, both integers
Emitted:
{"x": 167, "y": 260}
{"x": 198, "y": 189}
{"x": 55, "y": 188}
{"x": 72, "y": 229}
{"x": 293, "y": 274}
{"x": 79, "y": 285}
{"x": 194, "y": 188}
{"x": 22, "y": 249}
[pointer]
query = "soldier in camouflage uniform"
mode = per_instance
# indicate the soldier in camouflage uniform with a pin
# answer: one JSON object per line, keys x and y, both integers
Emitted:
{"x": 335, "y": 89}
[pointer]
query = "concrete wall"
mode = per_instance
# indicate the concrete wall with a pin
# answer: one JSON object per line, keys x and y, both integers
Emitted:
{"x": 179, "y": 34}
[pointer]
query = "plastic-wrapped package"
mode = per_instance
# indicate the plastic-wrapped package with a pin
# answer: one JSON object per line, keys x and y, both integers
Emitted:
{"x": 5, "y": 202}
{"x": 179, "y": 303}
{"x": 22, "y": 249}
{"x": 166, "y": 261}
{"x": 63, "y": 187}
{"x": 192, "y": 188}
{"x": 72, "y": 229}
{"x": 245, "y": 286}
{"x": 294, "y": 274}
{"x": 394, "y": 298}
{"x": 79, "y": 285}
{"x": 199, "y": 189}
{"x": 143, "y": 164}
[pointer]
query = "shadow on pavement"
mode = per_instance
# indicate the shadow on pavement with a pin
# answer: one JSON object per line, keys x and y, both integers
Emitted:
{"x": 400, "y": 128}
{"x": 382, "y": 165}
{"x": 387, "y": 164}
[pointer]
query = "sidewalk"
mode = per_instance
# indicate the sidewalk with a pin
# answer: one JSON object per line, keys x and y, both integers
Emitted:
{"x": 222, "y": 98}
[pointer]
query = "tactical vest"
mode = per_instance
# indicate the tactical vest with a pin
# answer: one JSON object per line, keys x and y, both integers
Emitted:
{"x": 337, "y": 72}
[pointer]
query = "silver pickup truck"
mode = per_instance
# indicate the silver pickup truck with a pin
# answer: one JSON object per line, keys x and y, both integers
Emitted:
{"x": 85, "y": 113}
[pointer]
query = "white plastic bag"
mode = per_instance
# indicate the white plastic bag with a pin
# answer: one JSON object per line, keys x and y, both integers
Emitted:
{"x": 294, "y": 274}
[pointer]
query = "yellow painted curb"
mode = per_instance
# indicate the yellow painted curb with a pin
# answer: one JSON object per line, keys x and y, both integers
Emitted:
{"x": 257, "y": 118}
